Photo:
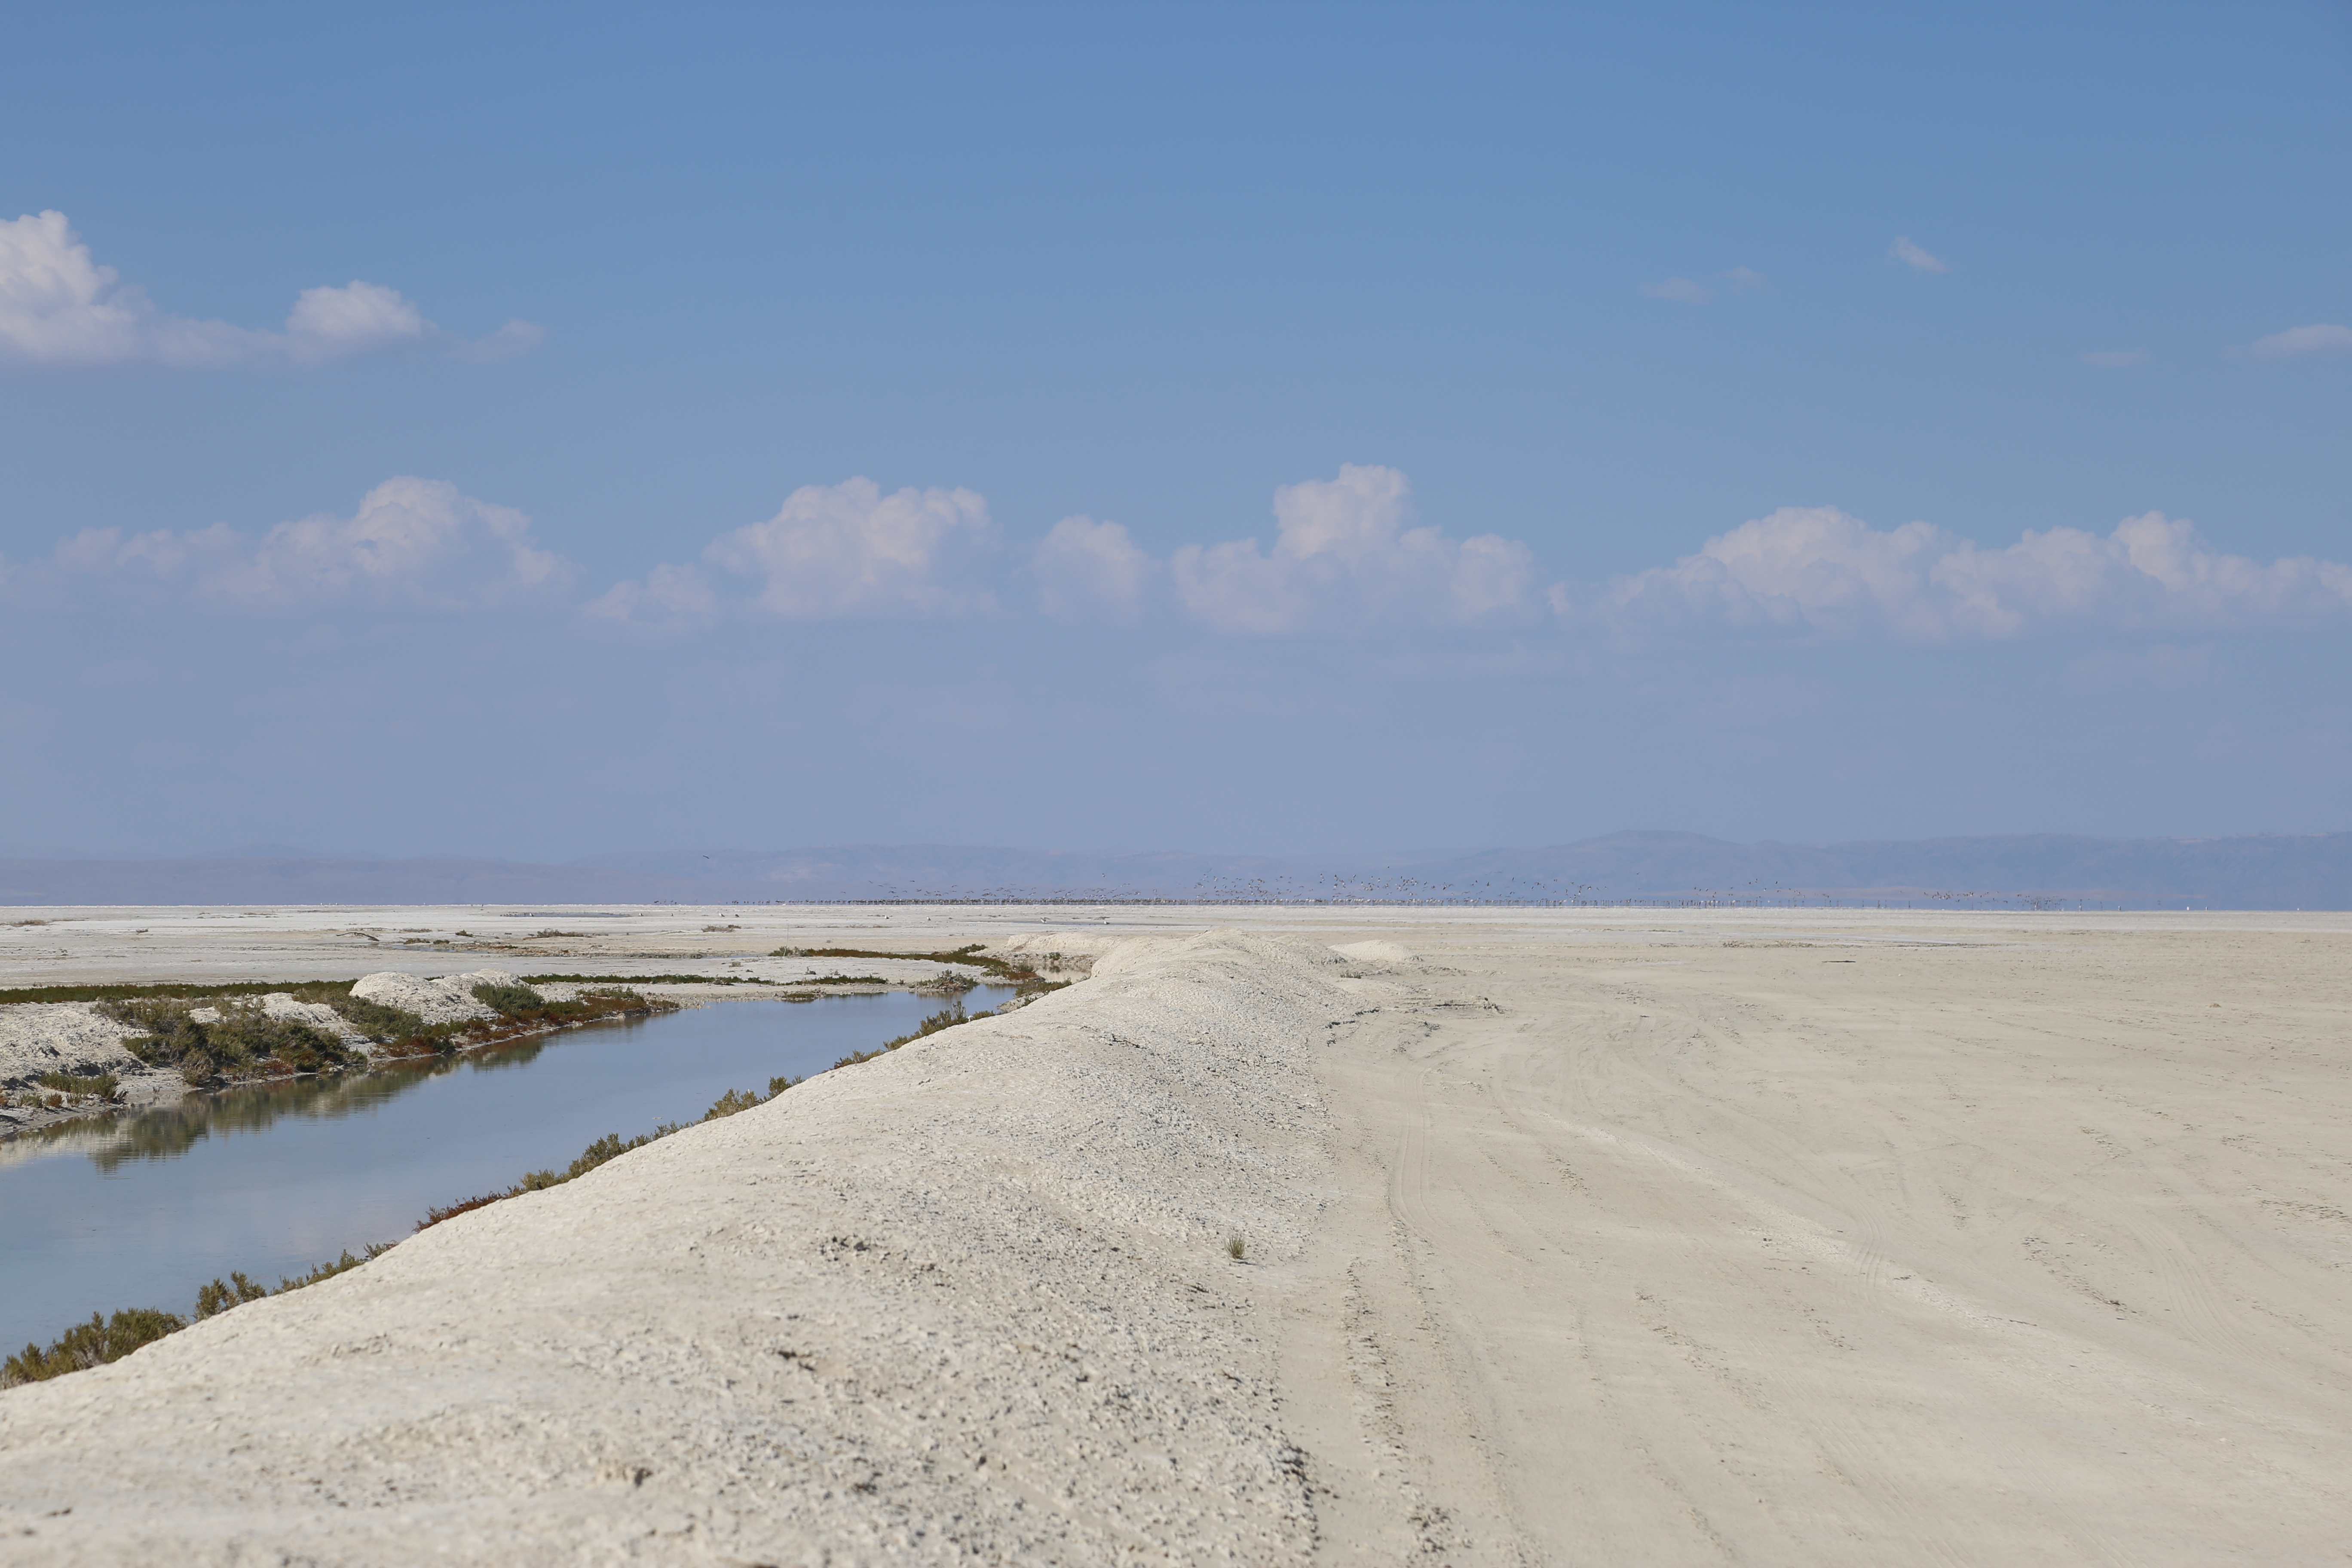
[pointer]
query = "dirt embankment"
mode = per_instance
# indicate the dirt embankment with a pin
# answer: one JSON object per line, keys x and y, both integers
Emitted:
{"x": 970, "y": 1300}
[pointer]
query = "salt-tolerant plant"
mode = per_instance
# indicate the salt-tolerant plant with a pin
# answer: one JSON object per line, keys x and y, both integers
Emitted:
{"x": 102, "y": 1085}
{"x": 236, "y": 1038}
{"x": 93, "y": 1343}
{"x": 1235, "y": 1245}
{"x": 219, "y": 1296}
{"x": 509, "y": 999}
{"x": 728, "y": 1104}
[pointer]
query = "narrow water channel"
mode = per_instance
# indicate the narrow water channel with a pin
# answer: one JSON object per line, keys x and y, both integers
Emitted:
{"x": 140, "y": 1210}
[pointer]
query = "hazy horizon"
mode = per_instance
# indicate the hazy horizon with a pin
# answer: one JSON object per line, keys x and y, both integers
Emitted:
{"x": 264, "y": 849}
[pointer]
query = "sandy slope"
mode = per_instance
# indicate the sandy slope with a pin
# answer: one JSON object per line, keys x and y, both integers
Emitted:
{"x": 1808, "y": 1241}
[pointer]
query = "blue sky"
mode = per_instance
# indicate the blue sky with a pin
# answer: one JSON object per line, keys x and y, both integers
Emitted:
{"x": 1226, "y": 428}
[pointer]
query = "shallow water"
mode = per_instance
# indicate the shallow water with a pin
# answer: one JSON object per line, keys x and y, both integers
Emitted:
{"x": 140, "y": 1210}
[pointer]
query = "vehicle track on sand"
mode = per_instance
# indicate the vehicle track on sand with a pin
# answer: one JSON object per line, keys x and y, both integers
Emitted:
{"x": 1723, "y": 1264}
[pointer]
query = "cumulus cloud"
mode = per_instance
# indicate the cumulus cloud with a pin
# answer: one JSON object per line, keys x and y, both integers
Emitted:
{"x": 411, "y": 543}
{"x": 1913, "y": 256}
{"x": 669, "y": 594}
{"x": 2117, "y": 358}
{"x": 1817, "y": 570}
{"x": 59, "y": 308}
{"x": 840, "y": 550}
{"x": 1087, "y": 569}
{"x": 2296, "y": 342}
{"x": 1342, "y": 556}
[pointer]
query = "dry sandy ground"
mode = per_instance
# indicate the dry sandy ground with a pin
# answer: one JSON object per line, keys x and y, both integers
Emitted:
{"x": 1580, "y": 1239}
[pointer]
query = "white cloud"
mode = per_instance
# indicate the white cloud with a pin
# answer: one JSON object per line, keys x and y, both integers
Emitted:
{"x": 1690, "y": 291}
{"x": 59, "y": 308}
{"x": 836, "y": 550}
{"x": 1088, "y": 570}
{"x": 1342, "y": 556}
{"x": 2295, "y": 342}
{"x": 360, "y": 317}
{"x": 511, "y": 341}
{"x": 1681, "y": 290}
{"x": 1914, "y": 257}
{"x": 672, "y": 594}
{"x": 2117, "y": 358}
{"x": 416, "y": 543}
{"x": 1816, "y": 570}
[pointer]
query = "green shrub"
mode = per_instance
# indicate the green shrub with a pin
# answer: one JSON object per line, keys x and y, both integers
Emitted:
{"x": 328, "y": 1271}
{"x": 728, "y": 1104}
{"x": 947, "y": 1017}
{"x": 217, "y": 1298}
{"x": 127, "y": 992}
{"x": 645, "y": 979}
{"x": 378, "y": 1021}
{"x": 102, "y": 1085}
{"x": 611, "y": 1146}
{"x": 1024, "y": 980}
{"x": 240, "y": 1041}
{"x": 89, "y": 1344}
{"x": 511, "y": 1000}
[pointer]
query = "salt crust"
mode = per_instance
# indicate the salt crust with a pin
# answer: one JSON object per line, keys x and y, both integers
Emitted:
{"x": 967, "y": 1303}
{"x": 61, "y": 1037}
{"x": 448, "y": 1000}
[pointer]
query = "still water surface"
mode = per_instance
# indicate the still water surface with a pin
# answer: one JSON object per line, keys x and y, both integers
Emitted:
{"x": 138, "y": 1211}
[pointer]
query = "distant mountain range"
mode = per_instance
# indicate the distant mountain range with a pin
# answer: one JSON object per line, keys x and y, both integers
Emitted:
{"x": 2308, "y": 872}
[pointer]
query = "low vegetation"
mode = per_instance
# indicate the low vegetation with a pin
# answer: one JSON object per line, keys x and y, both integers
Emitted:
{"x": 645, "y": 979}
{"x": 239, "y": 1039}
{"x": 947, "y": 1017}
{"x": 102, "y": 1085}
{"x": 89, "y": 1344}
{"x": 1023, "y": 977}
{"x": 103, "y": 1340}
{"x": 375, "y": 1020}
{"x": 514, "y": 1000}
{"x": 519, "y": 1011}
{"x": 224, "y": 1034}
{"x": 136, "y": 992}
{"x": 611, "y": 1146}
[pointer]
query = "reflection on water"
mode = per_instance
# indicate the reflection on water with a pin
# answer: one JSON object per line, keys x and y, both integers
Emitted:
{"x": 273, "y": 1178}
{"x": 172, "y": 1129}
